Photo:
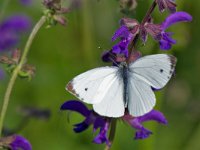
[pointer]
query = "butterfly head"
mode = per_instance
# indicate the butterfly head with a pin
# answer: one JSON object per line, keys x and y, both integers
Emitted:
{"x": 123, "y": 65}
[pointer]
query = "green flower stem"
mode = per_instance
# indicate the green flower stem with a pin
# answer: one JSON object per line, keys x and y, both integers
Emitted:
{"x": 3, "y": 8}
{"x": 17, "y": 69}
{"x": 112, "y": 133}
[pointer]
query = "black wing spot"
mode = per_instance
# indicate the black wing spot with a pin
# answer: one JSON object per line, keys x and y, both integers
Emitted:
{"x": 86, "y": 89}
{"x": 161, "y": 70}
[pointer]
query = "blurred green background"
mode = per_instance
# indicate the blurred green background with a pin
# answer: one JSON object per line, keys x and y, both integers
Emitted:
{"x": 60, "y": 53}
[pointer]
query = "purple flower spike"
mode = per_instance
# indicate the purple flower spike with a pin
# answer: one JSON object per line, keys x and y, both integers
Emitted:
{"x": 15, "y": 142}
{"x": 136, "y": 123}
{"x": 90, "y": 116}
{"x": 11, "y": 30}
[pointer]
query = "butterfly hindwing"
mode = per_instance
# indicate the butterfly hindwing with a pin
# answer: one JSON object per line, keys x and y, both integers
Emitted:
{"x": 113, "y": 103}
{"x": 93, "y": 85}
{"x": 141, "y": 98}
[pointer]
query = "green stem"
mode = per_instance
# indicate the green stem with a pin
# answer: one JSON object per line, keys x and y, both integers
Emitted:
{"x": 3, "y": 8}
{"x": 145, "y": 19}
{"x": 17, "y": 69}
{"x": 112, "y": 133}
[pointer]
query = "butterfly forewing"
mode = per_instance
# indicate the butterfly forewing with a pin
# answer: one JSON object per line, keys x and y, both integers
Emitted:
{"x": 156, "y": 70}
{"x": 149, "y": 71}
{"x": 92, "y": 86}
{"x": 112, "y": 105}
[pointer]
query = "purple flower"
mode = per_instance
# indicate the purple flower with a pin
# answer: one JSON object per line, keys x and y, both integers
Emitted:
{"x": 1, "y": 74}
{"x": 11, "y": 30}
{"x": 166, "y": 4}
{"x": 15, "y": 142}
{"x": 103, "y": 123}
{"x": 158, "y": 31}
{"x": 102, "y": 136}
{"x": 121, "y": 48}
{"x": 136, "y": 123}
{"x": 91, "y": 118}
{"x": 26, "y": 2}
{"x": 125, "y": 36}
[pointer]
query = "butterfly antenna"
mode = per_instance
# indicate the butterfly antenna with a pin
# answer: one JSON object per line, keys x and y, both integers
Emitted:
{"x": 114, "y": 62}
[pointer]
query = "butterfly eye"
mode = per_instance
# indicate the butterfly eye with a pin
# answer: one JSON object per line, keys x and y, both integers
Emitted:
{"x": 86, "y": 89}
{"x": 161, "y": 70}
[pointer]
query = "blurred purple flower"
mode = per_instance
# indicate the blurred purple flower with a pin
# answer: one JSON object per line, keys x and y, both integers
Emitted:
{"x": 1, "y": 74}
{"x": 158, "y": 31}
{"x": 11, "y": 30}
{"x": 15, "y": 142}
{"x": 91, "y": 118}
{"x": 26, "y": 2}
{"x": 136, "y": 123}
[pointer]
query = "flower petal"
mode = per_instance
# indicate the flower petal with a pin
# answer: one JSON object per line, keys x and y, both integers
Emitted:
{"x": 76, "y": 106}
{"x": 166, "y": 41}
{"x": 122, "y": 32}
{"x": 153, "y": 115}
{"x": 80, "y": 127}
{"x": 142, "y": 134}
{"x": 20, "y": 142}
{"x": 175, "y": 18}
{"x": 102, "y": 136}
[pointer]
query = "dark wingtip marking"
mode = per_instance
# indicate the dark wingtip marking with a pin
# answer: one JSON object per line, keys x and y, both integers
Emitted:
{"x": 173, "y": 61}
{"x": 70, "y": 88}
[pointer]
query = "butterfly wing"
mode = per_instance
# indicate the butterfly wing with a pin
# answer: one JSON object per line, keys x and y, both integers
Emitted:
{"x": 147, "y": 72}
{"x": 113, "y": 103}
{"x": 98, "y": 86}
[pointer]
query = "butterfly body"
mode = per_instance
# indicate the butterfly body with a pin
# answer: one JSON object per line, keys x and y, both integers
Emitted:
{"x": 113, "y": 89}
{"x": 123, "y": 75}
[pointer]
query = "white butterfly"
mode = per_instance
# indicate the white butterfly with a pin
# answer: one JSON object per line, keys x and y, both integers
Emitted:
{"x": 112, "y": 89}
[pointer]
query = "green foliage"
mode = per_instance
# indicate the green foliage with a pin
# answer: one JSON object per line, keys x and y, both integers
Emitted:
{"x": 60, "y": 53}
